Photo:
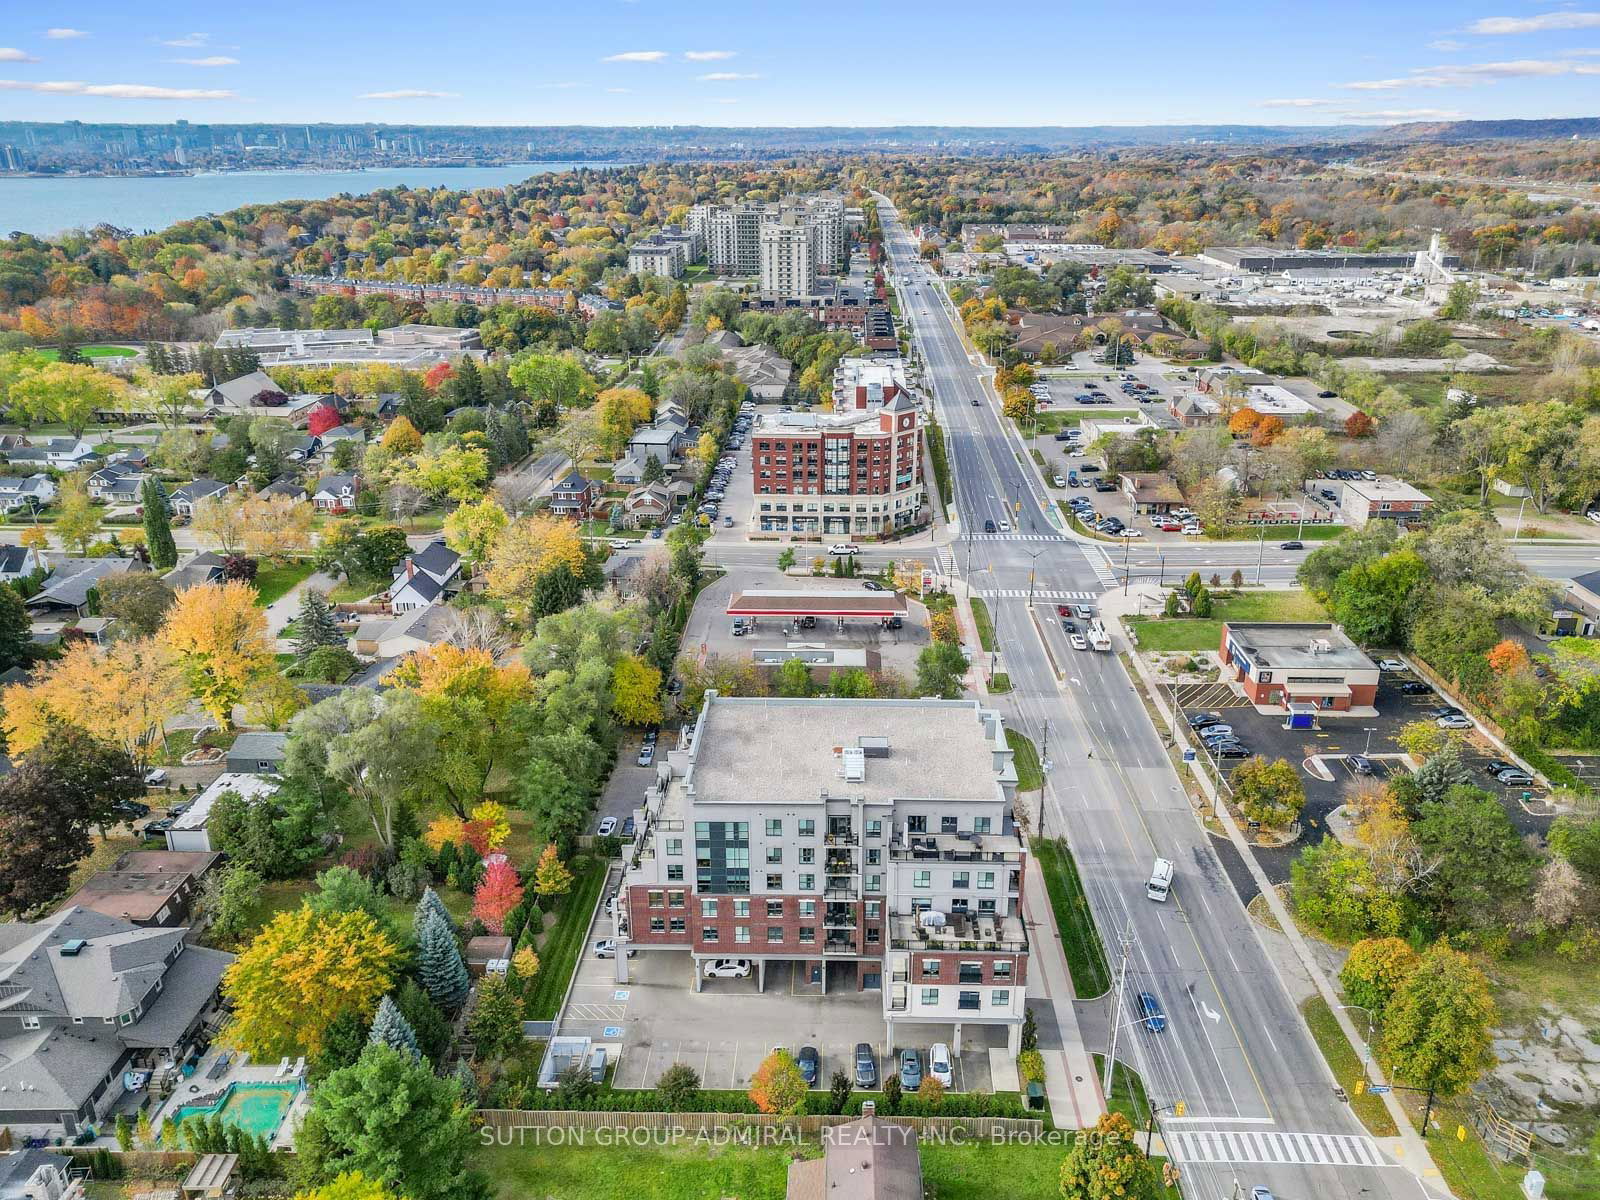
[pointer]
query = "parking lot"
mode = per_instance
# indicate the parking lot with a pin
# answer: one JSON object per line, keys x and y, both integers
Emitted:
{"x": 647, "y": 1020}
{"x": 739, "y": 495}
{"x": 1325, "y": 755}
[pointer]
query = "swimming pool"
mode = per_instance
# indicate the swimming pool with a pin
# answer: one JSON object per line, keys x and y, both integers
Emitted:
{"x": 256, "y": 1108}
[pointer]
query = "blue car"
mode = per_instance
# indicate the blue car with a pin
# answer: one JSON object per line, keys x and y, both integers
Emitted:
{"x": 1155, "y": 1017}
{"x": 910, "y": 1070}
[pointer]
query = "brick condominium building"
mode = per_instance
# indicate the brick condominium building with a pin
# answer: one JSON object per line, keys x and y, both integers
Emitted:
{"x": 869, "y": 842}
{"x": 852, "y": 472}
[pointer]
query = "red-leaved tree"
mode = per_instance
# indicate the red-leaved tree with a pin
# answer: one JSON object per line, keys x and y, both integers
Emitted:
{"x": 496, "y": 896}
{"x": 1358, "y": 425}
{"x": 323, "y": 418}
{"x": 436, "y": 375}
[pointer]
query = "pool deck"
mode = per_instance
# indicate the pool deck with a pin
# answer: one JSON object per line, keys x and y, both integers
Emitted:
{"x": 239, "y": 1070}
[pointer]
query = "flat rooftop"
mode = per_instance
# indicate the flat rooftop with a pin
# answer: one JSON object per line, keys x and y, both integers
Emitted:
{"x": 141, "y": 882}
{"x": 781, "y": 751}
{"x": 1294, "y": 645}
{"x": 844, "y": 602}
{"x": 1386, "y": 487}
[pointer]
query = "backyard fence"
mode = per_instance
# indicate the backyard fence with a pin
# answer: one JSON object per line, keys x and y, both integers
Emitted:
{"x": 973, "y": 1129}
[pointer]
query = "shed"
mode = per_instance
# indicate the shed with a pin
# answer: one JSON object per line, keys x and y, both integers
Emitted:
{"x": 210, "y": 1176}
{"x": 488, "y": 955}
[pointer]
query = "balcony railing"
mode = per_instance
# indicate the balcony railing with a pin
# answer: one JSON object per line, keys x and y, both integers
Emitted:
{"x": 842, "y": 839}
{"x": 838, "y": 946}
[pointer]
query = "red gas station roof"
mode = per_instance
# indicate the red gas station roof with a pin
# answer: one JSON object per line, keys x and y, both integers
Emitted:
{"x": 851, "y": 603}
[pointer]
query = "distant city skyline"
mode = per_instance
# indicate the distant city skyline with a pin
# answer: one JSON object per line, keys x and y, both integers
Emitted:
{"x": 644, "y": 62}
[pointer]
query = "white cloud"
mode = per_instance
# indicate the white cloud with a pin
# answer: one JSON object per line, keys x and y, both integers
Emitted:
{"x": 409, "y": 94}
{"x": 620, "y": 91}
{"x": 640, "y": 56}
{"x": 1298, "y": 103}
{"x": 188, "y": 41}
{"x": 726, "y": 76}
{"x": 1473, "y": 74}
{"x": 116, "y": 91}
{"x": 1405, "y": 114}
{"x": 708, "y": 55}
{"x": 12, "y": 54}
{"x": 1540, "y": 24}
{"x": 1447, "y": 44}
{"x": 61, "y": 35}
{"x": 1389, "y": 85}
{"x": 214, "y": 60}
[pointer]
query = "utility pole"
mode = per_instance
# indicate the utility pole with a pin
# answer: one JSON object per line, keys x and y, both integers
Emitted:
{"x": 1261, "y": 553}
{"x": 1126, "y": 940}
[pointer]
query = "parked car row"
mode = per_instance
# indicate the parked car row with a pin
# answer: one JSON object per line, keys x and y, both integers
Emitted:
{"x": 1217, "y": 736}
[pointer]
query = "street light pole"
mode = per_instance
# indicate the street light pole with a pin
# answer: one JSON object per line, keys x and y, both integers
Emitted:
{"x": 1369, "y": 731}
{"x": 1517, "y": 533}
{"x": 1261, "y": 553}
{"x": 1366, "y": 1051}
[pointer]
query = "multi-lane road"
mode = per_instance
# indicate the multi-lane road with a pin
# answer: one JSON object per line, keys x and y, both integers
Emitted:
{"x": 1259, "y": 1100}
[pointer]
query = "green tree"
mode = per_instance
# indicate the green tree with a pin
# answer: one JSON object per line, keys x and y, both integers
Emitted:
{"x": 342, "y": 1045}
{"x": 16, "y": 630}
{"x": 439, "y": 963}
{"x": 315, "y": 626}
{"x": 496, "y": 1025}
{"x": 1375, "y": 970}
{"x": 1335, "y": 890}
{"x": 232, "y": 901}
{"x": 1483, "y": 863}
{"x": 1108, "y": 1164}
{"x": 1268, "y": 792}
{"x": 940, "y": 668}
{"x": 390, "y": 1028}
{"x": 158, "y": 525}
{"x": 1440, "y": 1024}
{"x": 839, "y": 1088}
{"x": 1373, "y": 601}
{"x": 139, "y": 599}
{"x": 679, "y": 1088}
{"x": 793, "y": 678}
{"x": 391, "y": 1118}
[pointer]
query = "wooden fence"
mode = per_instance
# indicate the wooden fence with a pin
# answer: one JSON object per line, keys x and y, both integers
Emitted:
{"x": 690, "y": 1124}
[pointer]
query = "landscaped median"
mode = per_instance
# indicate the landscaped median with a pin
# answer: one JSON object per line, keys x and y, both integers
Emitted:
{"x": 1080, "y": 940}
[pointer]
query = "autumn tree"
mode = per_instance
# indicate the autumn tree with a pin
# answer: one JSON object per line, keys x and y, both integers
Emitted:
{"x": 277, "y": 527}
{"x": 619, "y": 412}
{"x": 1440, "y": 1023}
{"x": 401, "y": 438}
{"x": 526, "y": 550}
{"x": 67, "y": 394}
{"x": 472, "y": 529}
{"x": 1375, "y": 970}
{"x": 78, "y": 521}
{"x": 778, "y": 1087}
{"x": 550, "y": 876}
{"x": 1108, "y": 1164}
{"x": 496, "y": 1022}
{"x": 1268, "y": 792}
{"x": 300, "y": 973}
{"x": 126, "y": 693}
{"x": 636, "y": 691}
{"x": 220, "y": 636}
{"x": 220, "y": 520}
{"x": 496, "y": 896}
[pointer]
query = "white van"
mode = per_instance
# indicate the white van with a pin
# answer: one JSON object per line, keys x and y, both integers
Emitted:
{"x": 1160, "y": 880}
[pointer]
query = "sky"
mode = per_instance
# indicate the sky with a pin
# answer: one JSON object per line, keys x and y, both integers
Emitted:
{"x": 824, "y": 62}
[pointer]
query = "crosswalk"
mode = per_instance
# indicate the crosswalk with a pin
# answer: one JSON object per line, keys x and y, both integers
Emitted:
{"x": 945, "y": 563}
{"x": 1016, "y": 537}
{"x": 1295, "y": 1149}
{"x": 1038, "y": 594}
{"x": 1102, "y": 567}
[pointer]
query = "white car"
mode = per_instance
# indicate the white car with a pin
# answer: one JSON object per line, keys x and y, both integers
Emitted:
{"x": 1454, "y": 723}
{"x": 1594, "y": 515}
{"x": 608, "y": 826}
{"x": 1005, "y": 526}
{"x": 618, "y": 543}
{"x": 844, "y": 548}
{"x": 728, "y": 968}
{"x": 1125, "y": 532}
{"x": 1058, "y": 481}
{"x": 1391, "y": 664}
{"x": 1077, "y": 642}
{"x": 939, "y": 1064}
{"x": 1192, "y": 531}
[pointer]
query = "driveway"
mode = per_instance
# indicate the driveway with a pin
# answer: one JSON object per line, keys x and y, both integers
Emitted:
{"x": 287, "y": 606}
{"x": 628, "y": 783}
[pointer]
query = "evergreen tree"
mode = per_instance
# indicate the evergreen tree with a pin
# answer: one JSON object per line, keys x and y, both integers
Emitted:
{"x": 158, "y": 525}
{"x": 390, "y": 1028}
{"x": 315, "y": 626}
{"x": 341, "y": 1045}
{"x": 430, "y": 902}
{"x": 468, "y": 1082}
{"x": 439, "y": 965}
{"x": 16, "y": 630}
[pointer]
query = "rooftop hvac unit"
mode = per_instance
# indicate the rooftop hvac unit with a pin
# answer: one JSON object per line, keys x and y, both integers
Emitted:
{"x": 874, "y": 746}
{"x": 855, "y": 765}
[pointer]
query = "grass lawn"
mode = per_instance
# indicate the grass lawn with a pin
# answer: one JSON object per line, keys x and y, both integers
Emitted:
{"x": 1346, "y": 1063}
{"x": 1127, "y": 1091}
{"x": 1470, "y": 1170}
{"x": 563, "y": 941}
{"x": 1029, "y": 777}
{"x": 1192, "y": 633}
{"x": 273, "y": 583}
{"x": 984, "y": 622}
{"x": 348, "y": 591}
{"x": 999, "y": 683}
{"x": 92, "y": 352}
{"x": 1280, "y": 533}
{"x": 1053, "y": 421}
{"x": 1080, "y": 940}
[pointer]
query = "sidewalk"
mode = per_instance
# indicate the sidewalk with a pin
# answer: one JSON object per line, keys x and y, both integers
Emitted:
{"x": 1070, "y": 1081}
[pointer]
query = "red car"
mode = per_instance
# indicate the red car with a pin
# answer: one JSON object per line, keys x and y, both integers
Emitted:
{"x": 1063, "y": 611}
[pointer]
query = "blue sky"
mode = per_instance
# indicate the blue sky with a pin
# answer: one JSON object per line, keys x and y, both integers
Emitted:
{"x": 866, "y": 62}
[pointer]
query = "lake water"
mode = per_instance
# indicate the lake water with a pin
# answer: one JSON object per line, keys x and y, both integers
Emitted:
{"x": 47, "y": 206}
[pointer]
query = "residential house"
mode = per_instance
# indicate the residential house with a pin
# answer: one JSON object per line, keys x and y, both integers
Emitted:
{"x": 1064, "y": 332}
{"x": 257, "y": 753}
{"x": 341, "y": 433}
{"x": 867, "y": 1159}
{"x": 92, "y": 1002}
{"x": 1151, "y": 493}
{"x": 150, "y": 888}
{"x": 66, "y": 588}
{"x": 285, "y": 486}
{"x": 649, "y": 504}
{"x": 621, "y": 571}
{"x": 408, "y": 593}
{"x": 303, "y": 448}
{"x": 435, "y": 560}
{"x": 336, "y": 493}
{"x": 116, "y": 483}
{"x": 102, "y": 631}
{"x": 763, "y": 370}
{"x": 63, "y": 453}
{"x": 574, "y": 497}
{"x": 18, "y": 562}
{"x": 189, "y": 830}
{"x": 243, "y": 395}
{"x": 185, "y": 498}
{"x": 204, "y": 566}
{"x": 390, "y": 638}
{"x": 34, "y": 492}
{"x": 1578, "y": 613}
{"x": 662, "y": 440}
{"x": 39, "y": 1175}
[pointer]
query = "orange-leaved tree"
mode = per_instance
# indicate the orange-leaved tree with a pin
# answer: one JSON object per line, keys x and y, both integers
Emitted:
{"x": 220, "y": 637}
{"x": 778, "y": 1086}
{"x": 497, "y": 895}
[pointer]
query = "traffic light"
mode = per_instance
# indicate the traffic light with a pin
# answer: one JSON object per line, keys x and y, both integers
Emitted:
{"x": 1179, "y": 1109}
{"x": 1361, "y": 1086}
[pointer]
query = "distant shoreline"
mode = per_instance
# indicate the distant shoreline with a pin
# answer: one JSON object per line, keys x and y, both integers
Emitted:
{"x": 298, "y": 170}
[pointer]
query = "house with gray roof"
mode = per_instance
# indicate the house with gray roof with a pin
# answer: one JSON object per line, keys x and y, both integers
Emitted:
{"x": 89, "y": 1002}
{"x": 66, "y": 589}
{"x": 185, "y": 498}
{"x": 389, "y": 639}
{"x": 16, "y": 562}
{"x": 336, "y": 493}
{"x": 38, "y": 1175}
{"x": 67, "y": 453}
{"x": 206, "y": 566}
{"x": 35, "y": 492}
{"x": 239, "y": 395}
{"x": 285, "y": 486}
{"x": 116, "y": 483}
{"x": 258, "y": 753}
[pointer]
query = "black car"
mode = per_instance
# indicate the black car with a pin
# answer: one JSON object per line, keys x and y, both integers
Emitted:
{"x": 1445, "y": 710}
{"x": 872, "y": 585}
{"x": 129, "y": 809}
{"x": 1088, "y": 468}
{"x": 1291, "y": 545}
{"x": 1415, "y": 687}
{"x": 988, "y": 527}
{"x": 157, "y": 828}
{"x": 1326, "y": 395}
{"x": 1232, "y": 750}
{"x": 1069, "y": 627}
{"x": 627, "y": 827}
{"x": 652, "y": 734}
{"x": 1064, "y": 436}
{"x": 1201, "y": 720}
{"x": 1495, "y": 765}
{"x": 810, "y": 1063}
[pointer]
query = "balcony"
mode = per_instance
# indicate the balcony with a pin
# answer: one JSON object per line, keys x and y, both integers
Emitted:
{"x": 839, "y": 865}
{"x": 960, "y": 932}
{"x": 955, "y": 847}
{"x": 847, "y": 838}
{"x": 838, "y": 946}
{"x": 839, "y": 917}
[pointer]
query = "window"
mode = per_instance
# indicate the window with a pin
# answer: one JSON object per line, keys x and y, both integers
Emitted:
{"x": 808, "y": 934}
{"x": 874, "y": 857}
{"x": 708, "y": 908}
{"x": 775, "y": 908}
{"x": 658, "y": 924}
{"x": 741, "y": 933}
{"x": 808, "y": 828}
{"x": 875, "y": 829}
{"x": 808, "y": 855}
{"x": 947, "y": 825}
{"x": 708, "y": 934}
{"x": 874, "y": 909}
{"x": 677, "y": 925}
{"x": 874, "y": 883}
{"x": 774, "y": 933}
{"x": 980, "y": 824}
{"x": 808, "y": 908}
{"x": 930, "y": 997}
{"x": 674, "y": 845}
{"x": 655, "y": 899}
{"x": 675, "y": 899}
{"x": 675, "y": 873}
{"x": 1000, "y": 970}
{"x": 986, "y": 881}
{"x": 1000, "y": 998}
{"x": 930, "y": 968}
{"x": 922, "y": 879}
{"x": 960, "y": 880}
{"x": 30, "y": 1022}
{"x": 968, "y": 1001}
{"x": 741, "y": 908}
{"x": 986, "y": 908}
{"x": 775, "y": 883}
{"x": 970, "y": 972}
{"x": 916, "y": 824}
{"x": 774, "y": 855}
{"x": 775, "y": 827}
{"x": 872, "y": 933}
